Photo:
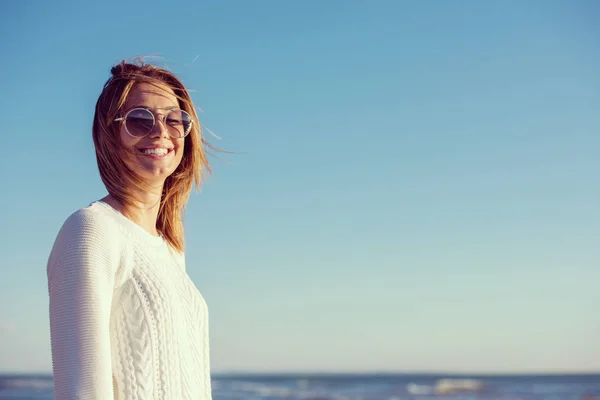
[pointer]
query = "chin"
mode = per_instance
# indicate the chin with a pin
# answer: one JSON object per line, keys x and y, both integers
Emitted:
{"x": 153, "y": 173}
{"x": 157, "y": 174}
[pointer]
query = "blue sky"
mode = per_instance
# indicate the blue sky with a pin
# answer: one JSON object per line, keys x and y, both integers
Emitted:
{"x": 416, "y": 187}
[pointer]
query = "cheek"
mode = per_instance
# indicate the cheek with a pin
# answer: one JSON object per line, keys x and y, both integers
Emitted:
{"x": 127, "y": 150}
{"x": 181, "y": 149}
{"x": 127, "y": 141}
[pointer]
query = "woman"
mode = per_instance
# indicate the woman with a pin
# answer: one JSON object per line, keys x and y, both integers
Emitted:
{"x": 126, "y": 321}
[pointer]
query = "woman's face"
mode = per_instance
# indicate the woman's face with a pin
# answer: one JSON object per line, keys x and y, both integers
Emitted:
{"x": 148, "y": 160}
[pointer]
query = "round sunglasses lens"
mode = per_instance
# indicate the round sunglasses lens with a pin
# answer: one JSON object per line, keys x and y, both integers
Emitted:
{"x": 179, "y": 123}
{"x": 139, "y": 122}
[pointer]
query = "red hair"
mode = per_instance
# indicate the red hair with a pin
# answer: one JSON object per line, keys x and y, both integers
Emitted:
{"x": 117, "y": 177}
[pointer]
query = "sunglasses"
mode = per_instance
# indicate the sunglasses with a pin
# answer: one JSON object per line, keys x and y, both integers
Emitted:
{"x": 140, "y": 121}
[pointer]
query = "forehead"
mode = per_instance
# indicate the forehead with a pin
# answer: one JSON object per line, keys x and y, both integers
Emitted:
{"x": 151, "y": 96}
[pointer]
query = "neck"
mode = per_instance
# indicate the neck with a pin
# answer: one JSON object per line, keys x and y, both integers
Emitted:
{"x": 144, "y": 210}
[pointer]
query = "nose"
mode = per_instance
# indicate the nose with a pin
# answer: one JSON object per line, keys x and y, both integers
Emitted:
{"x": 159, "y": 130}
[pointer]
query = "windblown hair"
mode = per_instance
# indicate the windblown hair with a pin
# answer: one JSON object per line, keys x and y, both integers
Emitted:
{"x": 110, "y": 154}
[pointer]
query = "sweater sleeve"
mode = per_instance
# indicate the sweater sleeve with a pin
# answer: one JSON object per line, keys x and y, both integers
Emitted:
{"x": 81, "y": 274}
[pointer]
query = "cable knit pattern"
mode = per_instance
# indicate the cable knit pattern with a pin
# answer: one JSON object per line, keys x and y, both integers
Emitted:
{"x": 126, "y": 321}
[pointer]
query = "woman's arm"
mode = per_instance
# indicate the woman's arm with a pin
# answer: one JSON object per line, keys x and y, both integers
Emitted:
{"x": 81, "y": 270}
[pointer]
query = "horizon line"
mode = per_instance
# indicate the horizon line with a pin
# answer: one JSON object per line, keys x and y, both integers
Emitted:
{"x": 363, "y": 373}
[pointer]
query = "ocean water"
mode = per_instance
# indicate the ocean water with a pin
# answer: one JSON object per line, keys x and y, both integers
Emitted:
{"x": 361, "y": 387}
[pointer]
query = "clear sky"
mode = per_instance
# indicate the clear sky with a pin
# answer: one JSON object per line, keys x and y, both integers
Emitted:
{"x": 417, "y": 186}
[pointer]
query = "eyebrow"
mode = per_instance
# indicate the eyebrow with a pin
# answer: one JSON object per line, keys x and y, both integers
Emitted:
{"x": 150, "y": 108}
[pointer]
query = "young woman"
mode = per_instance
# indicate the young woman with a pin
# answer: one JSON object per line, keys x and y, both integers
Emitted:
{"x": 126, "y": 321}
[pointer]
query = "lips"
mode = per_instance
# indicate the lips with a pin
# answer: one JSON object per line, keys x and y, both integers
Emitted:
{"x": 156, "y": 152}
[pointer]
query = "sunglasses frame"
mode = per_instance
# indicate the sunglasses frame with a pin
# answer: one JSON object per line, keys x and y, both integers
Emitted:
{"x": 170, "y": 110}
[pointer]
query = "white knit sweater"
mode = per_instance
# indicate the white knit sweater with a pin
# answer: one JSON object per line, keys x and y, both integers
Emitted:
{"x": 126, "y": 321}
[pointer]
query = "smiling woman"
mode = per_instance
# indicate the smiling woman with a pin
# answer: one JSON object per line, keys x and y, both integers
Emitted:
{"x": 143, "y": 107}
{"x": 154, "y": 149}
{"x": 126, "y": 321}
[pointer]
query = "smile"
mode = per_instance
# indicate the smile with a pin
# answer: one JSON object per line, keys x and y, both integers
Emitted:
{"x": 156, "y": 153}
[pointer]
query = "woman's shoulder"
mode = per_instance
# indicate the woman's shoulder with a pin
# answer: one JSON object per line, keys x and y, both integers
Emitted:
{"x": 92, "y": 219}
{"x": 87, "y": 240}
{"x": 87, "y": 229}
{"x": 101, "y": 220}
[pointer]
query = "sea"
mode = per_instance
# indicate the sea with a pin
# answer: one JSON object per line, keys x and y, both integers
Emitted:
{"x": 361, "y": 387}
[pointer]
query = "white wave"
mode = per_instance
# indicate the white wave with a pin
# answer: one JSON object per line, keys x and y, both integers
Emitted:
{"x": 24, "y": 383}
{"x": 299, "y": 391}
{"x": 414, "y": 388}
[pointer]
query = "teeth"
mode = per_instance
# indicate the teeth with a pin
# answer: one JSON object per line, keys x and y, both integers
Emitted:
{"x": 159, "y": 151}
